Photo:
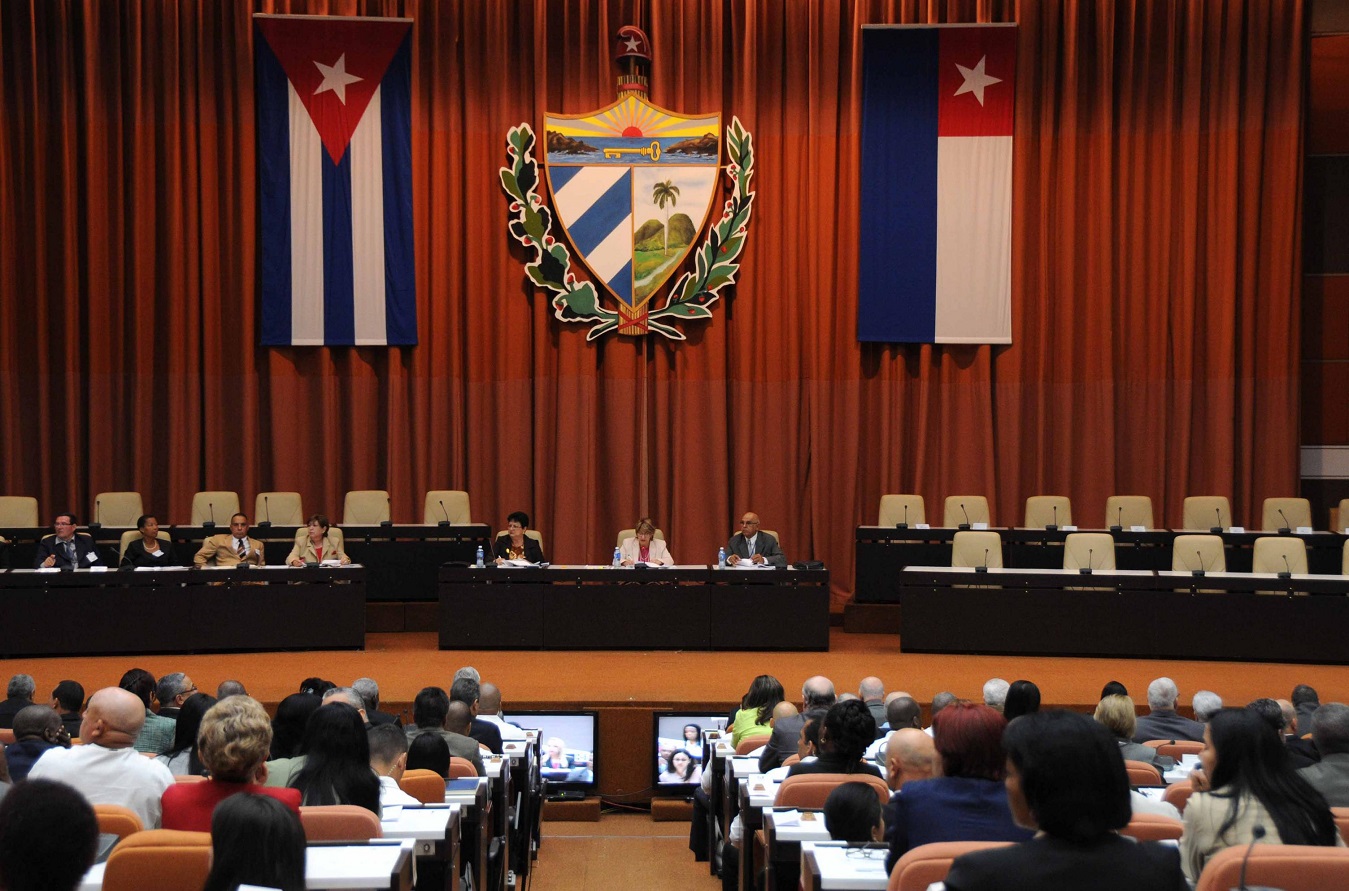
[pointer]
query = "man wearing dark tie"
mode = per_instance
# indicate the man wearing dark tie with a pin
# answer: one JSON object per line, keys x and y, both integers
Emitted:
{"x": 67, "y": 549}
{"x": 752, "y": 545}
{"x": 232, "y": 548}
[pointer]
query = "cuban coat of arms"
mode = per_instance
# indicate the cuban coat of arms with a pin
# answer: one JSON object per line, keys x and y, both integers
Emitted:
{"x": 632, "y": 187}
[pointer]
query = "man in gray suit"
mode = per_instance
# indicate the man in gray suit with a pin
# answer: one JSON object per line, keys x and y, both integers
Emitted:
{"x": 1330, "y": 732}
{"x": 752, "y": 545}
{"x": 1162, "y": 722}
{"x": 816, "y": 693}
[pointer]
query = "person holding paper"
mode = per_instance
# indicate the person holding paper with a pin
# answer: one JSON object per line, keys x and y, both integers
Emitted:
{"x": 148, "y": 550}
{"x": 67, "y": 549}
{"x": 232, "y": 548}
{"x": 752, "y": 545}
{"x": 514, "y": 544}
{"x": 644, "y": 547}
{"x": 317, "y": 546}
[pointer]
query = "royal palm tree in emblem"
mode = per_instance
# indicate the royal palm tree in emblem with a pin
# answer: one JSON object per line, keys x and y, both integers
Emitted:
{"x": 661, "y": 193}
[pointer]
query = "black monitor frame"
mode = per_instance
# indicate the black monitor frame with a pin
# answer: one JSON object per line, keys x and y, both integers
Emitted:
{"x": 678, "y": 789}
{"x": 573, "y": 780}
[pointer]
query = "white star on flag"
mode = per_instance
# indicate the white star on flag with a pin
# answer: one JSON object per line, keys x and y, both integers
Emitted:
{"x": 976, "y": 80}
{"x": 632, "y": 44}
{"x": 335, "y": 78}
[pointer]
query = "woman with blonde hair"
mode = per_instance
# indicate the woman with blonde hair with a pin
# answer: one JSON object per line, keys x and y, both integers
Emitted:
{"x": 644, "y": 547}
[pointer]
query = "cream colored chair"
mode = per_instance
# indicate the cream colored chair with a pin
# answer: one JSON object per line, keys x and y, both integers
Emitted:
{"x": 624, "y": 534}
{"x": 1191, "y": 552}
{"x": 1342, "y": 516}
{"x": 118, "y": 509}
{"x": 1206, "y": 512}
{"x": 18, "y": 512}
{"x": 446, "y": 504}
{"x": 214, "y": 507}
{"x": 896, "y": 509}
{"x": 366, "y": 507}
{"x": 958, "y": 507}
{"x": 979, "y": 548}
{"x": 1285, "y": 513}
{"x": 279, "y": 508}
{"x": 1048, "y": 510}
{"x": 1344, "y": 560}
{"x": 131, "y": 535}
{"x": 1089, "y": 550}
{"x": 1279, "y": 553}
{"x": 1128, "y": 510}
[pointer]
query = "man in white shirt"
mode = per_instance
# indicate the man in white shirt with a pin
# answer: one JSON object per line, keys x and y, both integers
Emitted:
{"x": 389, "y": 758}
{"x": 106, "y": 769}
{"x": 489, "y": 709}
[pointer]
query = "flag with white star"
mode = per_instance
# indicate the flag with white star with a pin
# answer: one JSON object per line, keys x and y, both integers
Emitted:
{"x": 936, "y": 184}
{"x": 334, "y": 119}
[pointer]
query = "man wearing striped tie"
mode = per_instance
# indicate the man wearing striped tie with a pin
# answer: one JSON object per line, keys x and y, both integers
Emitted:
{"x": 66, "y": 549}
{"x": 232, "y": 548}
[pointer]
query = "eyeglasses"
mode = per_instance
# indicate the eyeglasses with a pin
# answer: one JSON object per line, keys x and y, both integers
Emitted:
{"x": 749, "y": 522}
{"x": 866, "y": 853}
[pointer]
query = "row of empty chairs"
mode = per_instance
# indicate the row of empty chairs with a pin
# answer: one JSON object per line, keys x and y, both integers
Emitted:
{"x": 1199, "y": 512}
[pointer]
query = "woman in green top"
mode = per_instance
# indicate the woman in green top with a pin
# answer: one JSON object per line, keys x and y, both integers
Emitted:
{"x": 756, "y": 709}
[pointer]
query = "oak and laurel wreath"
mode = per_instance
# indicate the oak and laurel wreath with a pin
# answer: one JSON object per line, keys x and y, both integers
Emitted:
{"x": 692, "y": 295}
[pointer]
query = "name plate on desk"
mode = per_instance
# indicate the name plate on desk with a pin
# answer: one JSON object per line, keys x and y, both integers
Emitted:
{"x": 979, "y": 526}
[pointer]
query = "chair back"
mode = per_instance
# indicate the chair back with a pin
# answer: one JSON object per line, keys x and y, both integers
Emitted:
{"x": 131, "y": 535}
{"x": 1043, "y": 510}
{"x": 455, "y": 507}
{"x": 279, "y": 508}
{"x": 1341, "y": 516}
{"x": 1128, "y": 510}
{"x": 461, "y": 768}
{"x": 892, "y": 510}
{"x": 624, "y": 534}
{"x": 7, "y": 737}
{"x": 529, "y": 533}
{"x": 1178, "y": 794}
{"x": 1295, "y": 511}
{"x": 159, "y": 860}
{"x": 1205, "y": 512}
{"x": 1191, "y": 552}
{"x": 216, "y": 507}
{"x": 1153, "y": 827}
{"x": 1288, "y": 867}
{"x": 750, "y": 743}
{"x": 1174, "y": 748}
{"x": 18, "y": 512}
{"x": 426, "y": 786}
{"x": 809, "y": 790}
{"x": 1271, "y": 552}
{"x": 957, "y": 507}
{"x": 1341, "y": 815}
{"x": 341, "y": 823}
{"x": 790, "y": 760}
{"x": 114, "y": 819}
{"x": 1344, "y": 560}
{"x": 1094, "y": 550}
{"x": 1142, "y": 773}
{"x": 118, "y": 508}
{"x": 976, "y": 548}
{"x": 366, "y": 507}
{"x": 925, "y": 864}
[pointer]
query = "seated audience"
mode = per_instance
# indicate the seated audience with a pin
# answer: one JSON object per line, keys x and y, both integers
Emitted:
{"x": 1302, "y": 750}
{"x": 1247, "y": 782}
{"x": 388, "y": 759}
{"x": 468, "y": 690}
{"x": 852, "y": 813}
{"x": 347, "y": 696}
{"x": 1205, "y": 704}
{"x": 1023, "y": 697}
{"x": 368, "y": 690}
{"x": 965, "y": 799}
{"x": 156, "y": 734}
{"x": 66, "y": 549}
{"x": 1305, "y": 702}
{"x": 845, "y": 732}
{"x": 816, "y": 693}
{"x": 230, "y": 688}
{"x": 910, "y": 754}
{"x": 1330, "y": 732}
{"x": 514, "y": 544}
{"x": 148, "y": 550}
{"x": 754, "y": 717}
{"x": 1114, "y": 688}
{"x": 48, "y": 837}
{"x": 939, "y": 702}
{"x": 433, "y": 712}
{"x": 171, "y": 692}
{"x": 68, "y": 700}
{"x": 36, "y": 729}
{"x": 1116, "y": 714}
{"x": 19, "y": 696}
{"x": 900, "y": 712}
{"x": 489, "y": 709}
{"x": 182, "y": 758}
{"x": 1273, "y": 715}
{"x": 1161, "y": 721}
{"x": 232, "y": 746}
{"x": 257, "y": 841}
{"x": 995, "y": 693}
{"x": 871, "y": 690}
{"x": 292, "y": 715}
{"x": 316, "y": 686}
{"x": 337, "y": 760}
{"x": 1066, "y": 781}
{"x": 429, "y": 751}
{"x": 681, "y": 769}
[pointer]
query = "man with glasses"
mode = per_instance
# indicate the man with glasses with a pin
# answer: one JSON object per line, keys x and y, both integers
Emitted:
{"x": 232, "y": 548}
{"x": 752, "y": 545}
{"x": 172, "y": 691}
{"x": 67, "y": 549}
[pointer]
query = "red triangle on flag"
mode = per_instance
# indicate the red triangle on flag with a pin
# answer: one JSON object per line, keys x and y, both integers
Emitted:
{"x": 335, "y": 65}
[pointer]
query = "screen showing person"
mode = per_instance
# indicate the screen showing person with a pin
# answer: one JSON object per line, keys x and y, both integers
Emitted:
{"x": 679, "y": 747}
{"x": 567, "y": 744}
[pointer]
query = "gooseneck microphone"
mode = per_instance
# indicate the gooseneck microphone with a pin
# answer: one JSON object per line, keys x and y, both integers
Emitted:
{"x": 389, "y": 503}
{"x": 266, "y": 512}
{"x": 966, "y": 524}
{"x": 1200, "y": 571}
{"x": 1287, "y": 526}
{"x": 210, "y": 524}
{"x": 1287, "y": 570}
{"x": 1086, "y": 570}
{"x": 905, "y": 524}
{"x": 1257, "y": 833}
{"x": 98, "y": 515}
{"x": 446, "y": 521}
{"x": 1054, "y": 526}
{"x": 983, "y": 568}
{"x": 1217, "y": 515}
{"x": 1119, "y": 521}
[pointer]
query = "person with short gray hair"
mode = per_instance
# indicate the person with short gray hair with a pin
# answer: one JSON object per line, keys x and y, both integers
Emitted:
{"x": 1161, "y": 721}
{"x": 351, "y": 698}
{"x": 939, "y": 702}
{"x": 20, "y": 692}
{"x": 171, "y": 691}
{"x": 872, "y": 692}
{"x": 817, "y": 693}
{"x": 230, "y": 688}
{"x": 1205, "y": 703}
{"x": 368, "y": 690}
{"x": 995, "y": 693}
{"x": 1330, "y": 732}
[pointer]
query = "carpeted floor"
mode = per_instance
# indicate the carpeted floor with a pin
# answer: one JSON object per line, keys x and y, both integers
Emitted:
{"x": 620, "y": 851}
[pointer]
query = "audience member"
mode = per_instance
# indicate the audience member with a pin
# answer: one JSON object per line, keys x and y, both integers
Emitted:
{"x": 68, "y": 700}
{"x": 467, "y": 690}
{"x": 232, "y": 746}
{"x": 1330, "y": 732}
{"x": 1205, "y": 704}
{"x": 1247, "y": 782}
{"x": 156, "y": 734}
{"x": 368, "y": 690}
{"x": 816, "y": 693}
{"x": 1066, "y": 781}
{"x": 429, "y": 751}
{"x": 901, "y": 712}
{"x": 337, "y": 760}
{"x": 995, "y": 693}
{"x": 872, "y": 692}
{"x": 845, "y": 733}
{"x": 258, "y": 841}
{"x": 316, "y": 686}
{"x": 489, "y": 709}
{"x": 292, "y": 715}
{"x": 1113, "y": 688}
{"x": 347, "y": 696}
{"x": 1161, "y": 721}
{"x": 852, "y": 813}
{"x": 431, "y": 712}
{"x": 230, "y": 688}
{"x": 107, "y": 769}
{"x": 182, "y": 758}
{"x": 1305, "y": 703}
{"x": 171, "y": 691}
{"x": 1117, "y": 715}
{"x": 754, "y": 717}
{"x": 1023, "y": 697}
{"x": 1273, "y": 715}
{"x": 388, "y": 759}
{"x": 1296, "y": 737}
{"x": 48, "y": 837}
{"x": 939, "y": 702}
{"x": 36, "y": 729}
{"x": 910, "y": 754}
{"x": 19, "y": 696}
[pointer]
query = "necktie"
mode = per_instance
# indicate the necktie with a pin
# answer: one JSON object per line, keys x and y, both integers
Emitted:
{"x": 70, "y": 552}
{"x": 243, "y": 552}
{"x": 750, "y": 543}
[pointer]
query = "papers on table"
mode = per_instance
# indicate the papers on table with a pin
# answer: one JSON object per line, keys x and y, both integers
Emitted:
{"x": 746, "y": 563}
{"x": 520, "y": 563}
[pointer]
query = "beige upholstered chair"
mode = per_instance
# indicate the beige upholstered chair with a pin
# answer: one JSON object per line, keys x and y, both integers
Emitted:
{"x": 976, "y": 548}
{"x": 1279, "y": 553}
{"x": 1046, "y": 510}
{"x": 1342, "y": 516}
{"x": 1344, "y": 560}
{"x": 279, "y": 508}
{"x": 893, "y": 510}
{"x": 1128, "y": 510}
{"x": 1296, "y": 512}
{"x": 1206, "y": 512}
{"x": 1092, "y": 550}
{"x": 366, "y": 507}
{"x": 455, "y": 507}
{"x": 18, "y": 512}
{"x": 117, "y": 509}
{"x": 214, "y": 507}
{"x": 624, "y": 534}
{"x": 957, "y": 507}
{"x": 131, "y": 535}
{"x": 1191, "y": 552}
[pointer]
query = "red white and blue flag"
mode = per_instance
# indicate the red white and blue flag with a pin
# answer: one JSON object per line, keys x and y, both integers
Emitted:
{"x": 335, "y": 180}
{"x": 936, "y": 184}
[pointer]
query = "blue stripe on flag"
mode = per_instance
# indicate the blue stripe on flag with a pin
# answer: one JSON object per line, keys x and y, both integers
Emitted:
{"x": 621, "y": 283}
{"x": 339, "y": 301}
{"x": 400, "y": 289}
{"x": 599, "y": 221}
{"x": 560, "y": 176}
{"x": 897, "y": 280}
{"x": 273, "y": 97}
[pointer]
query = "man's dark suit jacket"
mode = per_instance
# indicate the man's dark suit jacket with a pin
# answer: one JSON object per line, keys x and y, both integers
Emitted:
{"x": 1330, "y": 777}
{"x": 9, "y": 708}
{"x": 72, "y": 723}
{"x": 488, "y": 734}
{"x": 782, "y": 744}
{"x": 765, "y": 544}
{"x": 1166, "y": 724}
{"x": 84, "y": 549}
{"x": 1115, "y": 863}
{"x": 377, "y": 718}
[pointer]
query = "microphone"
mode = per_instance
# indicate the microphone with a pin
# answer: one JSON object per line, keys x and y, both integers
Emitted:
{"x": 267, "y": 511}
{"x": 1119, "y": 521}
{"x": 446, "y": 521}
{"x": 1054, "y": 526}
{"x": 1286, "y": 527}
{"x": 966, "y": 524}
{"x": 98, "y": 515}
{"x": 1200, "y": 571}
{"x": 905, "y": 524}
{"x": 209, "y": 524}
{"x": 1218, "y": 515}
{"x": 1257, "y": 833}
{"x": 983, "y": 568}
{"x": 1288, "y": 570}
{"x": 1086, "y": 570}
{"x": 388, "y": 522}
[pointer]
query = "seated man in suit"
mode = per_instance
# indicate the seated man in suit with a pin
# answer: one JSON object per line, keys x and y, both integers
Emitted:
{"x": 816, "y": 693}
{"x": 752, "y": 545}
{"x": 1330, "y": 732}
{"x": 232, "y": 548}
{"x": 1161, "y": 721}
{"x": 67, "y": 549}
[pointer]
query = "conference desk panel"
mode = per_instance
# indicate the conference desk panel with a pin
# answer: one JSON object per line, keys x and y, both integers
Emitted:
{"x": 181, "y": 611}
{"x": 1163, "y": 615}
{"x": 586, "y": 607}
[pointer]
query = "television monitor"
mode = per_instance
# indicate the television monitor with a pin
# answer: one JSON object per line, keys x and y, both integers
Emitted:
{"x": 567, "y": 744}
{"x": 677, "y": 762}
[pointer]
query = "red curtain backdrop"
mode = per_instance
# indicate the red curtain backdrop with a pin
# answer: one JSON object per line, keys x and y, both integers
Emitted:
{"x": 1155, "y": 270}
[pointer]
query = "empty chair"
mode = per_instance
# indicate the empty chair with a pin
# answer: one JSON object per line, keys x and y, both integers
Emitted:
{"x": 1289, "y": 867}
{"x": 1048, "y": 510}
{"x": 366, "y": 507}
{"x": 118, "y": 508}
{"x": 965, "y": 509}
{"x": 214, "y": 507}
{"x": 1153, "y": 827}
{"x": 1206, "y": 512}
{"x": 159, "y": 860}
{"x": 340, "y": 823}
{"x": 926, "y": 864}
{"x": 426, "y": 786}
{"x": 625, "y": 534}
{"x": 1279, "y": 553}
{"x": 1199, "y": 551}
{"x": 976, "y": 548}
{"x": 18, "y": 512}
{"x": 897, "y": 509}
{"x": 442, "y": 505}
{"x": 1128, "y": 510}
{"x": 279, "y": 508}
{"x": 1089, "y": 550}
{"x": 114, "y": 819}
{"x": 1285, "y": 513}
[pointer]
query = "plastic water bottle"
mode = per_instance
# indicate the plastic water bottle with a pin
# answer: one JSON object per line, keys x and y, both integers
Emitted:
{"x": 721, "y": 557}
{"x": 479, "y": 563}
{"x": 618, "y": 557}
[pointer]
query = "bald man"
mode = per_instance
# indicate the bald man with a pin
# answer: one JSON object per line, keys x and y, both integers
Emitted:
{"x": 489, "y": 709}
{"x": 36, "y": 729}
{"x": 872, "y": 691}
{"x": 753, "y": 546}
{"x": 106, "y": 769}
{"x": 909, "y": 755}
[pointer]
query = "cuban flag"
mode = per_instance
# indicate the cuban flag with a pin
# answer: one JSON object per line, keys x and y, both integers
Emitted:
{"x": 335, "y": 180}
{"x": 936, "y": 184}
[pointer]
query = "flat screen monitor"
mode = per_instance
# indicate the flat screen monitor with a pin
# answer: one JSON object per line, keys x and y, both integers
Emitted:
{"x": 567, "y": 744}
{"x": 677, "y": 763}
